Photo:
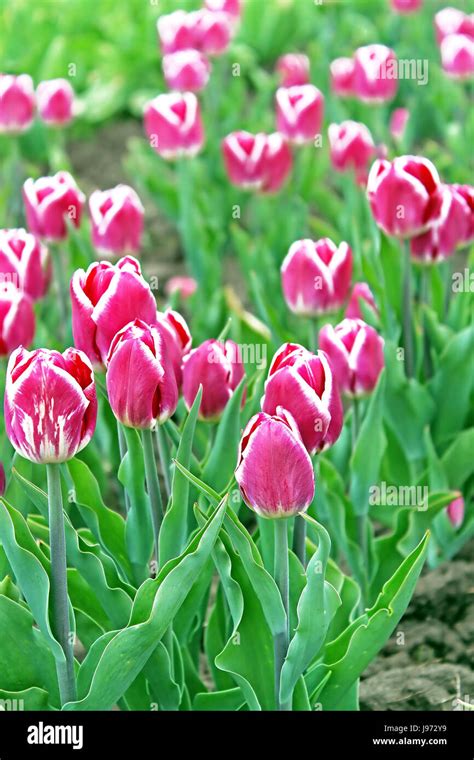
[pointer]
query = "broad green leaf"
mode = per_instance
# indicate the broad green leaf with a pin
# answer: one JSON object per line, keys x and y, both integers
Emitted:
{"x": 230, "y": 699}
{"x": 30, "y": 699}
{"x": 452, "y": 385}
{"x": 221, "y": 462}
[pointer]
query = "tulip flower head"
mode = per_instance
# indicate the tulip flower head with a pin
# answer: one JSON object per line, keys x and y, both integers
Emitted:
{"x": 316, "y": 276}
{"x": 232, "y": 7}
{"x": 406, "y": 6}
{"x": 355, "y": 352}
{"x": 467, "y": 193}
{"x": 49, "y": 201}
{"x": 457, "y": 56}
{"x": 25, "y": 262}
{"x": 293, "y": 69}
{"x": 117, "y": 220}
{"x": 274, "y": 471}
{"x": 177, "y": 339}
{"x": 104, "y": 299}
{"x": 50, "y": 404}
{"x": 185, "y": 286}
{"x": 398, "y": 122}
{"x": 212, "y": 30}
{"x": 360, "y": 292}
{"x": 304, "y": 383}
{"x": 186, "y": 70}
{"x": 352, "y": 148}
{"x": 17, "y": 318}
{"x": 452, "y": 21}
{"x": 299, "y": 112}
{"x": 342, "y": 77}
{"x": 218, "y": 368}
{"x": 17, "y": 103}
{"x": 449, "y": 230}
{"x": 257, "y": 162}
{"x": 455, "y": 511}
{"x": 141, "y": 383}
{"x": 175, "y": 32}
{"x": 173, "y": 124}
{"x": 55, "y": 99}
{"x": 375, "y": 74}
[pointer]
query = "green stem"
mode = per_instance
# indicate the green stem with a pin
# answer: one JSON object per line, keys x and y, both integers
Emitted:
{"x": 59, "y": 596}
{"x": 360, "y": 519}
{"x": 164, "y": 452}
{"x": 355, "y": 422}
{"x": 425, "y": 302}
{"x": 153, "y": 488}
{"x": 123, "y": 450}
{"x": 299, "y": 539}
{"x": 407, "y": 315}
{"x": 281, "y": 574}
{"x": 60, "y": 266}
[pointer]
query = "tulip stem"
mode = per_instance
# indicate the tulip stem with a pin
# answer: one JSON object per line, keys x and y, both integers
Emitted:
{"x": 153, "y": 488}
{"x": 59, "y": 596}
{"x": 299, "y": 539}
{"x": 407, "y": 314}
{"x": 281, "y": 574}
{"x": 123, "y": 450}
{"x": 164, "y": 452}
{"x": 60, "y": 265}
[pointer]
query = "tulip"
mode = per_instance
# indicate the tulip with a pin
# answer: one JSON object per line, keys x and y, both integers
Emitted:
{"x": 175, "y": 32}
{"x": 404, "y": 195}
{"x": 185, "y": 286}
{"x": 176, "y": 337}
{"x": 467, "y": 193}
{"x": 304, "y": 384}
{"x": 278, "y": 163}
{"x": 352, "y": 147}
{"x": 360, "y": 292}
{"x": 218, "y": 367}
{"x": 274, "y": 471}
{"x": 455, "y": 511}
{"x": 316, "y": 276}
{"x": 17, "y": 318}
{"x": 117, "y": 220}
{"x": 141, "y": 384}
{"x": 104, "y": 299}
{"x": 55, "y": 99}
{"x": 452, "y": 21}
{"x": 186, "y": 70}
{"x": 50, "y": 403}
{"x": 355, "y": 352}
{"x": 299, "y": 112}
{"x": 342, "y": 76}
{"x": 25, "y": 262}
{"x": 457, "y": 56}
{"x": 231, "y": 7}
{"x": 449, "y": 229}
{"x": 17, "y": 103}
{"x": 174, "y": 126}
{"x": 244, "y": 158}
{"x": 406, "y": 6}
{"x": 48, "y": 201}
{"x": 375, "y": 75}
{"x": 398, "y": 122}
{"x": 212, "y": 31}
{"x": 293, "y": 69}
{"x": 3, "y": 481}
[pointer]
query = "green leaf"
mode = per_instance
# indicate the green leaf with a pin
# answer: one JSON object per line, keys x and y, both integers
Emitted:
{"x": 30, "y": 699}
{"x": 458, "y": 459}
{"x": 230, "y": 699}
{"x": 221, "y": 462}
{"x": 452, "y": 385}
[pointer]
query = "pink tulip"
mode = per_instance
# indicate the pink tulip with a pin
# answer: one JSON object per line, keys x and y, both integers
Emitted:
{"x": 304, "y": 384}
{"x": 50, "y": 404}
{"x": 104, "y": 299}
{"x": 25, "y": 262}
{"x": 48, "y": 201}
{"x": 316, "y": 276}
{"x": 257, "y": 162}
{"x": 299, "y": 112}
{"x": 274, "y": 471}
{"x": 293, "y": 69}
{"x": 450, "y": 229}
{"x": 17, "y": 318}
{"x": 176, "y": 337}
{"x": 375, "y": 74}
{"x": 360, "y": 292}
{"x": 117, "y": 220}
{"x": 406, "y": 6}
{"x": 355, "y": 352}
{"x": 455, "y": 511}
{"x": 457, "y": 56}
{"x": 186, "y": 70}
{"x": 218, "y": 367}
{"x": 398, "y": 122}
{"x": 17, "y": 103}
{"x": 212, "y": 31}
{"x": 452, "y": 21}
{"x": 342, "y": 76}
{"x": 175, "y": 32}
{"x": 173, "y": 125}
{"x": 352, "y": 147}
{"x": 3, "y": 481}
{"x": 185, "y": 286}
{"x": 404, "y": 195}
{"x": 467, "y": 193}
{"x": 141, "y": 384}
{"x": 278, "y": 163}
{"x": 232, "y": 7}
{"x": 55, "y": 101}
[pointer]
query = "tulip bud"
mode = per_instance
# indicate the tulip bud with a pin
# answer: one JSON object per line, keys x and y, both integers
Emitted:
{"x": 50, "y": 404}
{"x": 274, "y": 471}
{"x": 117, "y": 220}
{"x": 185, "y": 286}
{"x": 55, "y": 101}
{"x": 48, "y": 201}
{"x": 351, "y": 147}
{"x": 25, "y": 262}
{"x": 404, "y": 195}
{"x": 452, "y": 21}
{"x": 304, "y": 383}
{"x": 398, "y": 122}
{"x": 141, "y": 384}
{"x": 360, "y": 292}
{"x": 316, "y": 276}
{"x": 175, "y": 32}
{"x": 299, "y": 112}
{"x": 244, "y": 158}
{"x": 176, "y": 337}
{"x": 406, "y": 6}
{"x": 17, "y": 318}
{"x": 173, "y": 125}
{"x": 186, "y": 70}
{"x": 467, "y": 193}
{"x": 231, "y": 7}
{"x": 355, "y": 352}
{"x": 218, "y": 367}
{"x": 293, "y": 69}
{"x": 457, "y": 56}
{"x": 3, "y": 481}
{"x": 455, "y": 511}
{"x": 375, "y": 75}
{"x": 212, "y": 31}
{"x": 448, "y": 230}
{"x": 104, "y": 299}
{"x": 17, "y": 103}
{"x": 278, "y": 163}
{"x": 342, "y": 76}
